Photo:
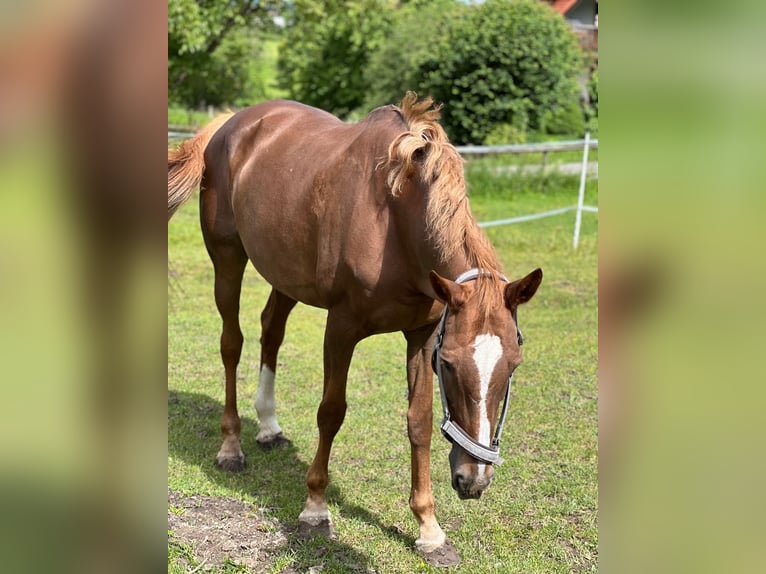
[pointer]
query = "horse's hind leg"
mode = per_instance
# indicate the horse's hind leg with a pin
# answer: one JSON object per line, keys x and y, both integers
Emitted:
{"x": 229, "y": 260}
{"x": 273, "y": 320}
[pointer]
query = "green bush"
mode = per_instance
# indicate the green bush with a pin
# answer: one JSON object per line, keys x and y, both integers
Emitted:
{"x": 220, "y": 78}
{"x": 592, "y": 110}
{"x": 506, "y": 134}
{"x": 509, "y": 62}
{"x": 397, "y": 65}
{"x": 211, "y": 47}
{"x": 326, "y": 50}
{"x": 593, "y": 91}
{"x": 566, "y": 119}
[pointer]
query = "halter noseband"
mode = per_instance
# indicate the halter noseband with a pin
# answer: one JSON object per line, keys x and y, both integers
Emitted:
{"x": 450, "y": 429}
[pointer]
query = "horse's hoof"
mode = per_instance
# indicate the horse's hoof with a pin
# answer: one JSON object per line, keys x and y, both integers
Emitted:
{"x": 443, "y": 556}
{"x": 231, "y": 464}
{"x": 275, "y": 441}
{"x": 324, "y": 527}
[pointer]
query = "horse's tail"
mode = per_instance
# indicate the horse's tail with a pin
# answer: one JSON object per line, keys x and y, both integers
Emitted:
{"x": 186, "y": 164}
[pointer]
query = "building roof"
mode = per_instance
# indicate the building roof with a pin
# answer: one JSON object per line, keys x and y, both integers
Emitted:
{"x": 563, "y": 6}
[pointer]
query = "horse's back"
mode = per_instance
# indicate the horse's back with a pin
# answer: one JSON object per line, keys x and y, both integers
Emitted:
{"x": 303, "y": 186}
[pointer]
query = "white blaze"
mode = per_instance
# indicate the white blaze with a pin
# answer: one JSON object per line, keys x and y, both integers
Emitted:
{"x": 487, "y": 352}
{"x": 265, "y": 404}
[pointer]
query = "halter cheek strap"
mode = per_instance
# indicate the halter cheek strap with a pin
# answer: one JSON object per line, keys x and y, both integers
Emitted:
{"x": 450, "y": 429}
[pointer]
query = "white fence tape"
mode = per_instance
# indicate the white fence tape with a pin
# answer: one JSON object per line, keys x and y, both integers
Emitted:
{"x": 522, "y": 218}
{"x": 540, "y": 147}
{"x": 586, "y": 144}
{"x": 581, "y": 194}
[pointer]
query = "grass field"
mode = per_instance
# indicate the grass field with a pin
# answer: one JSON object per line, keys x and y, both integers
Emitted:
{"x": 540, "y": 515}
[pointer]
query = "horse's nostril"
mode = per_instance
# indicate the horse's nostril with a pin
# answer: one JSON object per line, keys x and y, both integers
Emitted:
{"x": 458, "y": 481}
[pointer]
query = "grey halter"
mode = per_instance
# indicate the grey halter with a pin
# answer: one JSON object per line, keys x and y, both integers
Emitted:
{"x": 450, "y": 429}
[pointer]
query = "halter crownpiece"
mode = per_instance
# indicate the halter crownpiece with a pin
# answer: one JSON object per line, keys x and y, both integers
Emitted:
{"x": 450, "y": 429}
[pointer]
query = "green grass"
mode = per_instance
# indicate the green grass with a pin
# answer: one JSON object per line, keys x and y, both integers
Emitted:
{"x": 540, "y": 515}
{"x": 183, "y": 117}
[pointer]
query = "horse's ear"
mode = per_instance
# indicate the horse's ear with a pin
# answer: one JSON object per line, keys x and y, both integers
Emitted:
{"x": 447, "y": 291}
{"x": 523, "y": 289}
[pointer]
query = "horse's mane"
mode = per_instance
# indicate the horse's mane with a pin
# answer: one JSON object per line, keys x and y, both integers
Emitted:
{"x": 424, "y": 147}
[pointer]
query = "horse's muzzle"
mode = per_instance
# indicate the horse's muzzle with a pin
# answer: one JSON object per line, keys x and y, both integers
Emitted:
{"x": 467, "y": 488}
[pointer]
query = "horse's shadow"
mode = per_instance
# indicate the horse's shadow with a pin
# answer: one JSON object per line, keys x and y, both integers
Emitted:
{"x": 277, "y": 477}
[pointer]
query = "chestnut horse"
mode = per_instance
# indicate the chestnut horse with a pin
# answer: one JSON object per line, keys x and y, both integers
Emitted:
{"x": 371, "y": 222}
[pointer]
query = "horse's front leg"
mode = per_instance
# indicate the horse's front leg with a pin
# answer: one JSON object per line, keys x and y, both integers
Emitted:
{"x": 341, "y": 337}
{"x": 432, "y": 542}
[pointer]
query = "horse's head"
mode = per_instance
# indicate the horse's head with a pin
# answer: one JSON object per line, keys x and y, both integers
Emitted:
{"x": 477, "y": 350}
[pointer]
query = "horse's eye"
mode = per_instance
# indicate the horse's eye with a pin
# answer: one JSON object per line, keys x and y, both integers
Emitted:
{"x": 448, "y": 366}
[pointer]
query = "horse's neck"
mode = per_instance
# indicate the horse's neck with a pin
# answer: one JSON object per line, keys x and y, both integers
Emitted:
{"x": 453, "y": 268}
{"x": 425, "y": 251}
{"x": 474, "y": 252}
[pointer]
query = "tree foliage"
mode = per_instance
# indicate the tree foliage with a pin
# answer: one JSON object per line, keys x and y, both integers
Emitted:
{"x": 503, "y": 69}
{"x": 397, "y": 65}
{"x": 506, "y": 62}
{"x": 210, "y": 47}
{"x": 327, "y": 48}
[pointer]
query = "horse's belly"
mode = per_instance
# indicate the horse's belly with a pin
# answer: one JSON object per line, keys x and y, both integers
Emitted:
{"x": 283, "y": 252}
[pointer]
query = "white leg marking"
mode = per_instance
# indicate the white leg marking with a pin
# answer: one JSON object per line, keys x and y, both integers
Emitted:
{"x": 487, "y": 352}
{"x": 266, "y": 406}
{"x": 431, "y": 537}
{"x": 315, "y": 513}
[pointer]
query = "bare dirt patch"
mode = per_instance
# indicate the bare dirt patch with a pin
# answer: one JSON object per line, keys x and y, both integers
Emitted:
{"x": 220, "y": 530}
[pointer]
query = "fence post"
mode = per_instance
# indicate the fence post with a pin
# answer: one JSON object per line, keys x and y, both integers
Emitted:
{"x": 581, "y": 197}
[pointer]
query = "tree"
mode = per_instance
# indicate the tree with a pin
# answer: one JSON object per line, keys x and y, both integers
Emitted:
{"x": 210, "y": 45}
{"x": 508, "y": 64}
{"x": 327, "y": 48}
{"x": 397, "y": 65}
